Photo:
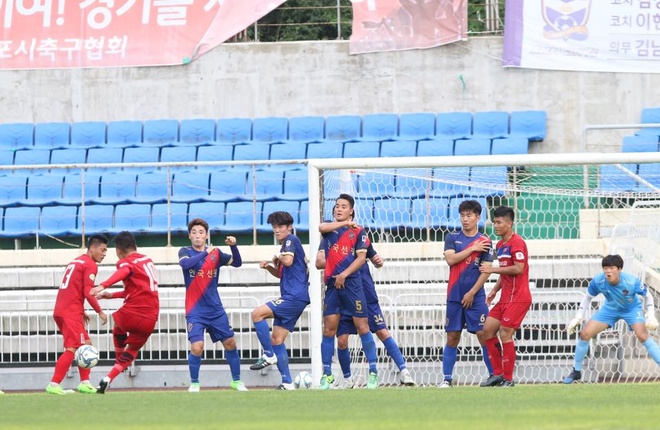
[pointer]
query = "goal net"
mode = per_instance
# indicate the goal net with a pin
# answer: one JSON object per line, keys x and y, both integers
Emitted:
{"x": 570, "y": 214}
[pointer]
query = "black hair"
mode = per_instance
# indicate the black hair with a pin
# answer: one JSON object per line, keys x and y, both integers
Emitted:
{"x": 280, "y": 218}
{"x": 612, "y": 260}
{"x": 198, "y": 221}
{"x": 470, "y": 206}
{"x": 504, "y": 212}
{"x": 347, "y": 197}
{"x": 96, "y": 239}
{"x": 125, "y": 241}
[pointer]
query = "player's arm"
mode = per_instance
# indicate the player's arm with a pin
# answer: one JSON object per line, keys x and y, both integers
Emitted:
{"x": 579, "y": 316}
{"x": 320, "y": 260}
{"x": 122, "y": 272}
{"x": 360, "y": 259}
{"x": 187, "y": 262}
{"x": 88, "y": 284}
{"x": 235, "y": 260}
{"x": 496, "y": 288}
{"x": 330, "y": 226}
{"x": 468, "y": 297}
{"x": 514, "y": 270}
{"x": 452, "y": 257}
{"x": 651, "y": 320}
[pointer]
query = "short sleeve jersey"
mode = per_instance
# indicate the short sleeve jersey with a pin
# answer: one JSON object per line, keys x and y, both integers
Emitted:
{"x": 463, "y": 275}
{"x": 341, "y": 249}
{"x": 514, "y": 288}
{"x": 201, "y": 281}
{"x": 140, "y": 285}
{"x": 294, "y": 279}
{"x": 79, "y": 277}
{"x": 623, "y": 296}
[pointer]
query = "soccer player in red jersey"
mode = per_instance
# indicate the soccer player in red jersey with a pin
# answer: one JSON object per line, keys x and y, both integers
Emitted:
{"x": 515, "y": 299}
{"x": 69, "y": 313}
{"x": 136, "y": 319}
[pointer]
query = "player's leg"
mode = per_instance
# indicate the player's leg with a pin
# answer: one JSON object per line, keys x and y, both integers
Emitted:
{"x": 600, "y": 321}
{"x": 475, "y": 317}
{"x": 639, "y": 327}
{"x": 353, "y": 302}
{"x": 514, "y": 316}
{"x": 455, "y": 320}
{"x": 331, "y": 315}
{"x": 196, "y": 328}
{"x": 71, "y": 332}
{"x": 491, "y": 328}
{"x": 259, "y": 316}
{"x": 378, "y": 325}
{"x": 345, "y": 328}
{"x": 220, "y": 330}
{"x": 85, "y": 385}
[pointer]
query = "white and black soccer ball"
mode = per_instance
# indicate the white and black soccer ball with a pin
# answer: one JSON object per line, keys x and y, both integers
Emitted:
{"x": 303, "y": 380}
{"x": 87, "y": 356}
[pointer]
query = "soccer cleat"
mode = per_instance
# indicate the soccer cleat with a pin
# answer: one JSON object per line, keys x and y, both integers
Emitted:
{"x": 406, "y": 379}
{"x": 445, "y": 384}
{"x": 86, "y": 388}
{"x": 263, "y": 362}
{"x": 492, "y": 381}
{"x": 194, "y": 387}
{"x": 57, "y": 389}
{"x": 347, "y": 384}
{"x": 286, "y": 387}
{"x": 238, "y": 385}
{"x": 574, "y": 376}
{"x": 507, "y": 384}
{"x": 372, "y": 382}
{"x": 103, "y": 385}
{"x": 326, "y": 382}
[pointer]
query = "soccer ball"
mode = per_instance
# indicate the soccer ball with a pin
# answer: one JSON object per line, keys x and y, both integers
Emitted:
{"x": 87, "y": 356}
{"x": 303, "y": 380}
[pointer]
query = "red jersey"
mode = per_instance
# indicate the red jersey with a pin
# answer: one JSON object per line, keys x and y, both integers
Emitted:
{"x": 78, "y": 279}
{"x": 515, "y": 289}
{"x": 138, "y": 274}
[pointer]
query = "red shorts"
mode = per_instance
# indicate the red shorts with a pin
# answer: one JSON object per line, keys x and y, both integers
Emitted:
{"x": 73, "y": 331}
{"x": 138, "y": 328}
{"x": 510, "y": 314}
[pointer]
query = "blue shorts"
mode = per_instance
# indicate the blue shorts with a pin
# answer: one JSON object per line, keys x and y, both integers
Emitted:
{"x": 346, "y": 301}
{"x": 610, "y": 316}
{"x": 287, "y": 312}
{"x": 376, "y": 321}
{"x": 217, "y": 327}
{"x": 472, "y": 319}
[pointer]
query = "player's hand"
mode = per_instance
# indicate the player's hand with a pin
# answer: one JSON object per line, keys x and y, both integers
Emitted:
{"x": 86, "y": 319}
{"x": 573, "y": 325}
{"x": 377, "y": 260}
{"x": 490, "y": 297}
{"x": 351, "y": 224}
{"x": 104, "y": 318}
{"x": 651, "y": 321}
{"x": 481, "y": 245}
{"x": 276, "y": 260}
{"x": 96, "y": 290}
{"x": 230, "y": 240}
{"x": 340, "y": 280}
{"x": 264, "y": 264}
{"x": 467, "y": 300}
{"x": 210, "y": 249}
{"x": 486, "y": 268}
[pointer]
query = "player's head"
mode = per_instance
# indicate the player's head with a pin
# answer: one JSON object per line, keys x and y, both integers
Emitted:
{"x": 97, "y": 247}
{"x": 343, "y": 209}
{"x": 503, "y": 218}
{"x": 470, "y": 213}
{"x": 198, "y": 233}
{"x": 612, "y": 265}
{"x": 124, "y": 243}
{"x": 282, "y": 223}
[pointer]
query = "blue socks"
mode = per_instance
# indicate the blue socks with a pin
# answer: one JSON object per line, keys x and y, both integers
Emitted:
{"x": 327, "y": 351}
{"x": 394, "y": 352}
{"x": 234, "y": 364}
{"x": 369, "y": 348}
{"x": 581, "y": 350}
{"x": 344, "y": 356}
{"x": 263, "y": 334}
{"x": 283, "y": 362}
{"x": 484, "y": 352}
{"x": 653, "y": 350}
{"x": 448, "y": 361}
{"x": 194, "y": 363}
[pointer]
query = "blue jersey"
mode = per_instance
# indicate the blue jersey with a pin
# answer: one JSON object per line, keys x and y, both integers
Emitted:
{"x": 200, "y": 275}
{"x": 622, "y": 296}
{"x": 294, "y": 279}
{"x": 463, "y": 275}
{"x": 367, "y": 281}
{"x": 341, "y": 249}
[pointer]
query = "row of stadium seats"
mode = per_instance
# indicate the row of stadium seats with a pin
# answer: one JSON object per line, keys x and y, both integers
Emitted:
{"x": 384, "y": 126}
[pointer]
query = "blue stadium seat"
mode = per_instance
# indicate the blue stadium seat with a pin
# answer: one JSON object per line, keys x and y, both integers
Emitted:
{"x": 12, "y": 189}
{"x": 103, "y": 156}
{"x": 615, "y": 179}
{"x": 450, "y": 181}
{"x": 6, "y": 157}
{"x": 16, "y": 136}
{"x": 435, "y": 148}
{"x": 327, "y": 149}
{"x": 390, "y": 214}
{"x": 475, "y": 146}
{"x": 489, "y": 125}
{"x": 428, "y": 213}
{"x": 88, "y": 134}
{"x": 269, "y": 130}
{"x": 453, "y": 221}
{"x": 303, "y": 217}
{"x": 21, "y": 221}
{"x": 380, "y": 126}
{"x": 510, "y": 145}
{"x": 52, "y": 135}
{"x": 44, "y": 189}
{"x": 362, "y": 149}
{"x": 240, "y": 217}
{"x": 417, "y": 126}
{"x": 375, "y": 184}
{"x": 197, "y": 131}
{"x": 295, "y": 185}
{"x": 58, "y": 220}
{"x": 95, "y": 219}
{"x": 215, "y": 153}
{"x": 116, "y": 187}
{"x": 412, "y": 183}
{"x": 179, "y": 154}
{"x": 212, "y": 212}
{"x": 28, "y": 157}
{"x": 307, "y": 129}
{"x": 227, "y": 185}
{"x": 650, "y": 116}
{"x": 161, "y": 132}
{"x": 269, "y": 184}
{"x": 291, "y": 206}
{"x": 641, "y": 143}
{"x": 398, "y": 148}
{"x": 488, "y": 181}
{"x": 124, "y": 133}
{"x": 151, "y": 187}
{"x": 132, "y": 217}
{"x": 177, "y": 214}
{"x": 251, "y": 151}
{"x": 141, "y": 155}
{"x": 530, "y": 124}
{"x": 190, "y": 186}
{"x": 453, "y": 125}
{"x": 72, "y": 192}
{"x": 343, "y": 128}
{"x": 650, "y": 172}
{"x": 288, "y": 151}
{"x": 234, "y": 130}
{"x": 68, "y": 156}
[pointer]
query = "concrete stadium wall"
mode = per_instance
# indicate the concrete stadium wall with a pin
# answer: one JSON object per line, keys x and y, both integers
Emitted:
{"x": 320, "y": 78}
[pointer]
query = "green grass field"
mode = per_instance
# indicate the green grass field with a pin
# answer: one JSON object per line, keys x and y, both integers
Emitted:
{"x": 583, "y": 406}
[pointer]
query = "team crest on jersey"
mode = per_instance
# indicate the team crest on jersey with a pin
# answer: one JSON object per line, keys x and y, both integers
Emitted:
{"x": 287, "y": 243}
{"x": 92, "y": 277}
{"x": 213, "y": 257}
{"x": 520, "y": 256}
{"x": 625, "y": 292}
{"x": 351, "y": 235}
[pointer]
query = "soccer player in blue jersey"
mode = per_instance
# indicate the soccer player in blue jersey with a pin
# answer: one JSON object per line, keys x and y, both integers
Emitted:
{"x": 345, "y": 252}
{"x": 623, "y": 300}
{"x": 465, "y": 251}
{"x": 204, "y": 310}
{"x": 290, "y": 266}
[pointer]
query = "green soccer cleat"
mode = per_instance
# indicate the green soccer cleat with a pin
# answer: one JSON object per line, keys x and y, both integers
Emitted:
{"x": 372, "y": 383}
{"x": 238, "y": 385}
{"x": 86, "y": 388}
{"x": 327, "y": 381}
{"x": 57, "y": 389}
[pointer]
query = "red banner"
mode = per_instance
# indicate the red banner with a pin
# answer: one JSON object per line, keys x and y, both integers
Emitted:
{"x": 392, "y": 25}
{"x": 44, "y": 34}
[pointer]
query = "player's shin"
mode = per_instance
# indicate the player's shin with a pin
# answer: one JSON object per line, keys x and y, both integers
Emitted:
{"x": 62, "y": 366}
{"x": 489, "y": 366}
{"x": 653, "y": 350}
{"x": 194, "y": 363}
{"x": 327, "y": 351}
{"x": 234, "y": 363}
{"x": 369, "y": 348}
{"x": 283, "y": 362}
{"x": 449, "y": 354}
{"x": 263, "y": 334}
{"x": 344, "y": 356}
{"x": 508, "y": 360}
{"x": 495, "y": 355}
{"x": 393, "y": 351}
{"x": 581, "y": 350}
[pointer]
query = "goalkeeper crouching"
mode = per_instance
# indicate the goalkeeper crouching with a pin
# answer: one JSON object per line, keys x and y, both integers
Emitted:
{"x": 623, "y": 300}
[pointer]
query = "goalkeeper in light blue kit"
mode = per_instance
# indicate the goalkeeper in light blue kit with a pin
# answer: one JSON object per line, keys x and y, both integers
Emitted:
{"x": 621, "y": 291}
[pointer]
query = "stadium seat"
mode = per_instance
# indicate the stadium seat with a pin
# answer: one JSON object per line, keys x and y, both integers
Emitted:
{"x": 641, "y": 143}
{"x": 215, "y": 153}
{"x": 428, "y": 213}
{"x": 28, "y": 157}
{"x": 68, "y": 156}
{"x": 44, "y": 189}
{"x": 288, "y": 151}
{"x": 21, "y": 221}
{"x": 197, "y": 131}
{"x": 380, "y": 126}
{"x": 240, "y": 216}
{"x": 303, "y": 219}
{"x": 103, "y": 156}
{"x": 615, "y": 179}
{"x": 291, "y": 206}
{"x": 178, "y": 217}
{"x": 251, "y": 151}
{"x": 510, "y": 145}
{"x": 295, "y": 185}
{"x": 95, "y": 219}
{"x": 398, "y": 148}
{"x": 390, "y": 214}
{"x": 190, "y": 186}
{"x": 375, "y": 184}
{"x": 88, "y": 134}
{"x": 453, "y": 221}
{"x": 124, "y": 133}
{"x": 530, "y": 124}
{"x": 16, "y": 136}
{"x": 435, "y": 148}
{"x": 268, "y": 184}
{"x": 151, "y": 187}
{"x": 343, "y": 128}
{"x": 179, "y": 154}
{"x": 417, "y": 126}
{"x": 413, "y": 183}
{"x": 450, "y": 181}
{"x": 362, "y": 149}
{"x": 58, "y": 220}
{"x": 141, "y": 155}
{"x": 269, "y": 130}
{"x": 453, "y": 125}
{"x": 52, "y": 135}
{"x": 650, "y": 116}
{"x": 234, "y": 130}
{"x": 212, "y": 212}
{"x": 227, "y": 185}
{"x": 161, "y": 132}
{"x": 72, "y": 192}
{"x": 306, "y": 129}
{"x": 116, "y": 187}
{"x": 488, "y": 181}
{"x": 12, "y": 189}
{"x": 489, "y": 125}
{"x": 132, "y": 217}
{"x": 472, "y": 147}
{"x": 325, "y": 149}
{"x": 6, "y": 157}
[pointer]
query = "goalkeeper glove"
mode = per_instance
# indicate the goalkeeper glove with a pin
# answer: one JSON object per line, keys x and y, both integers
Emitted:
{"x": 573, "y": 325}
{"x": 651, "y": 321}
